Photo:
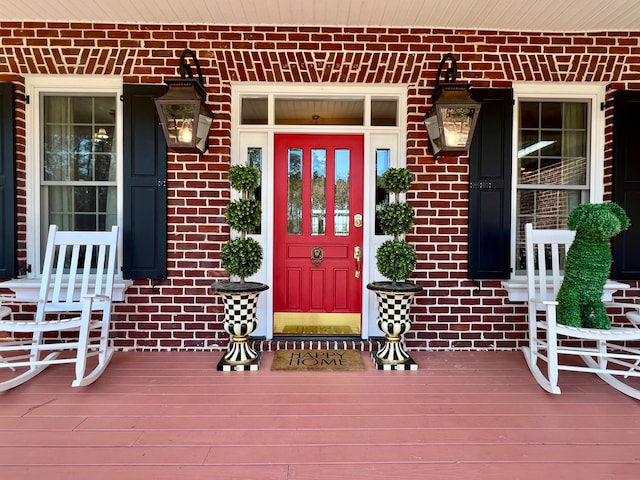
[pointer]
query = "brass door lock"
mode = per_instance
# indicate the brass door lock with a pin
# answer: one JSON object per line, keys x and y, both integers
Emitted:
{"x": 317, "y": 254}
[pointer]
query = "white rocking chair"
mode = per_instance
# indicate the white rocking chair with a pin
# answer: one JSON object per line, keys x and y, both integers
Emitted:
{"x": 607, "y": 353}
{"x": 77, "y": 278}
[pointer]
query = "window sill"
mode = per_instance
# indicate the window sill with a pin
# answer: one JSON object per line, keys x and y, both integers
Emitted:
{"x": 517, "y": 289}
{"x": 29, "y": 288}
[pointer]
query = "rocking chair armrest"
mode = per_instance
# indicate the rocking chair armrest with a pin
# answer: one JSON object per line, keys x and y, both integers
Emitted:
{"x": 633, "y": 318}
{"x": 547, "y": 308}
{"x": 545, "y": 303}
{"x": 625, "y": 305}
{"x": 11, "y": 300}
{"x": 92, "y": 299}
{"x": 100, "y": 298}
{"x": 632, "y": 314}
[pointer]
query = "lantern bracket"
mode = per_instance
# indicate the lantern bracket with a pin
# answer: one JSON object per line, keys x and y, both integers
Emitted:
{"x": 186, "y": 73}
{"x": 185, "y": 68}
{"x": 450, "y": 74}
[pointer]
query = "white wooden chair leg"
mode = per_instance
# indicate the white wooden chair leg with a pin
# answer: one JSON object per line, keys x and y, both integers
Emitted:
{"x": 104, "y": 337}
{"x": 104, "y": 352}
{"x": 83, "y": 347}
{"x": 552, "y": 351}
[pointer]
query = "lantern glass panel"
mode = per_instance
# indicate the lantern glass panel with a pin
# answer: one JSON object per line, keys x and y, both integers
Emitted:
{"x": 179, "y": 122}
{"x": 433, "y": 130}
{"x": 204, "y": 124}
{"x": 456, "y": 122}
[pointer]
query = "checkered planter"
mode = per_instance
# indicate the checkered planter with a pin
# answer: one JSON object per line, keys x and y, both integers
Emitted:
{"x": 394, "y": 321}
{"x": 240, "y": 321}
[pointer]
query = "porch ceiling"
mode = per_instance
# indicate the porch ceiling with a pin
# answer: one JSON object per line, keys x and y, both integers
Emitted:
{"x": 518, "y": 15}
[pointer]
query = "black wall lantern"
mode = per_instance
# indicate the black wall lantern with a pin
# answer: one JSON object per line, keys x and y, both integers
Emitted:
{"x": 185, "y": 117}
{"x": 452, "y": 119}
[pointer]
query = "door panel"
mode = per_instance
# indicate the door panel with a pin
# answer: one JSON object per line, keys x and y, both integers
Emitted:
{"x": 318, "y": 194}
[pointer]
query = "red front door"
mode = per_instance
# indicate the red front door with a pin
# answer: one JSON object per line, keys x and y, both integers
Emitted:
{"x": 317, "y": 283}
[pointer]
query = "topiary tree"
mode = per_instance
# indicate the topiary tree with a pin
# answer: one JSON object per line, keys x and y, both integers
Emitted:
{"x": 242, "y": 256}
{"x": 396, "y": 258}
{"x": 588, "y": 264}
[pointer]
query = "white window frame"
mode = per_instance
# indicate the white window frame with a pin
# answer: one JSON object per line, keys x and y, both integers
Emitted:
{"x": 35, "y": 85}
{"x": 594, "y": 93}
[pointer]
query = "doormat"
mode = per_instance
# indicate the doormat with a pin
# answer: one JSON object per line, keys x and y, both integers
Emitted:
{"x": 327, "y": 360}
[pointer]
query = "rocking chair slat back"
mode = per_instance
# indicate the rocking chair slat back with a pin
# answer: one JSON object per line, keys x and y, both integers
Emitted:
{"x": 545, "y": 254}
{"x": 77, "y": 264}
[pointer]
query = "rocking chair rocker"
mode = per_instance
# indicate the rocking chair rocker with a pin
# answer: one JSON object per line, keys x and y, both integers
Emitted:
{"x": 77, "y": 278}
{"x": 606, "y": 353}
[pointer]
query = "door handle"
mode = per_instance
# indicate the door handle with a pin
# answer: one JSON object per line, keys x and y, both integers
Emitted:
{"x": 357, "y": 254}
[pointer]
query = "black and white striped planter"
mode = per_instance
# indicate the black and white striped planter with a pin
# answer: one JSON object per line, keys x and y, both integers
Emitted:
{"x": 240, "y": 321}
{"x": 394, "y": 305}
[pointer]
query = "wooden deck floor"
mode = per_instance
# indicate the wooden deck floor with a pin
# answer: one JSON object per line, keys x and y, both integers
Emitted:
{"x": 462, "y": 415}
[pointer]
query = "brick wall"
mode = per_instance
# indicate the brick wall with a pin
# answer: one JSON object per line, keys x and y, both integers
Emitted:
{"x": 179, "y": 312}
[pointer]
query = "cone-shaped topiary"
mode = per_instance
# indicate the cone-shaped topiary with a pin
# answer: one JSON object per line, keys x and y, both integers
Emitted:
{"x": 242, "y": 256}
{"x": 396, "y": 259}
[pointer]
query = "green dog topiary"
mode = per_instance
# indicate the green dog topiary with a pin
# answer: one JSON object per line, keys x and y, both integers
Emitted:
{"x": 588, "y": 264}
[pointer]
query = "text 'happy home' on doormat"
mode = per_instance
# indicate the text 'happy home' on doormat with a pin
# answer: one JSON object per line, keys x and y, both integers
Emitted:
{"x": 333, "y": 360}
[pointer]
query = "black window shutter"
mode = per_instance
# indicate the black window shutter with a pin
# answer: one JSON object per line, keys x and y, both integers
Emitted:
{"x": 490, "y": 186}
{"x": 8, "y": 236}
{"x": 145, "y": 185}
{"x": 626, "y": 182}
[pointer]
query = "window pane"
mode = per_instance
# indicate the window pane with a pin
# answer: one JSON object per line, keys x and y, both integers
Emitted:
{"x": 103, "y": 136}
{"x": 551, "y": 114}
{"x": 294, "y": 208}
{"x": 104, "y": 110}
{"x": 254, "y": 111}
{"x": 254, "y": 159}
{"x": 383, "y": 163}
{"x": 529, "y": 115}
{"x": 319, "y": 111}
{"x": 105, "y": 168}
{"x": 81, "y": 109}
{"x": 318, "y": 191}
{"x": 61, "y": 207}
{"x": 384, "y": 112}
{"x": 341, "y": 206}
{"x": 82, "y": 167}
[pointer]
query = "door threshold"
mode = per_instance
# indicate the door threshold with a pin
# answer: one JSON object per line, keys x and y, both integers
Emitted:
{"x": 318, "y": 343}
{"x": 319, "y": 337}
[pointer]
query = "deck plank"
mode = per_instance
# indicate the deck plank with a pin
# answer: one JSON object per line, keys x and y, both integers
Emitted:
{"x": 462, "y": 415}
